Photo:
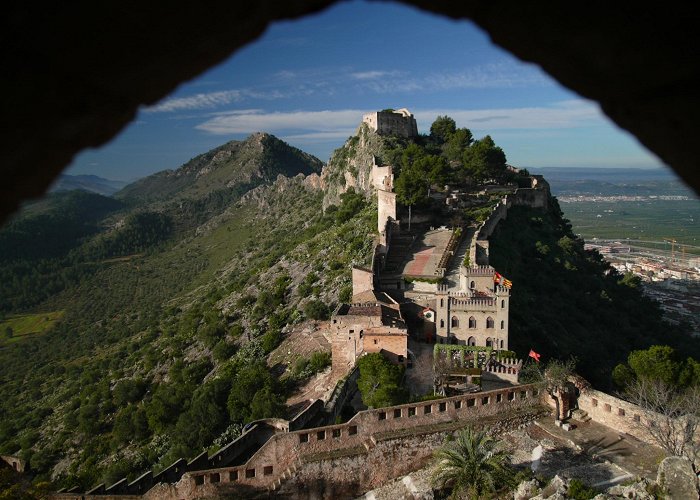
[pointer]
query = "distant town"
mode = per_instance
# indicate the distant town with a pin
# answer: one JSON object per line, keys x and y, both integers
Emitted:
{"x": 673, "y": 279}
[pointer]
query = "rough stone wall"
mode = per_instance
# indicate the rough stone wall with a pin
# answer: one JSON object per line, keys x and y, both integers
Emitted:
{"x": 533, "y": 198}
{"x": 350, "y": 476}
{"x": 392, "y": 346}
{"x": 383, "y": 177}
{"x": 342, "y": 394}
{"x": 386, "y": 209}
{"x": 616, "y": 413}
{"x": 15, "y": 463}
{"x": 401, "y": 123}
{"x": 362, "y": 280}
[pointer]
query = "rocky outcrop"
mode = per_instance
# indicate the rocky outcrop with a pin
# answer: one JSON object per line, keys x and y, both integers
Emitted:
{"x": 677, "y": 478}
{"x": 350, "y": 166}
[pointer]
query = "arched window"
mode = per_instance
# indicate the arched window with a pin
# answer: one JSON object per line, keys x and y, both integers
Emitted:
{"x": 501, "y": 344}
{"x": 489, "y": 342}
{"x": 442, "y": 302}
{"x": 471, "y": 341}
{"x": 503, "y": 324}
{"x": 442, "y": 323}
{"x": 472, "y": 322}
{"x": 455, "y": 322}
{"x": 489, "y": 322}
{"x": 503, "y": 303}
{"x": 472, "y": 285}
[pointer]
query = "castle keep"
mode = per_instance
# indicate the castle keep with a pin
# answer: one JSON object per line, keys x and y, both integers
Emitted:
{"x": 389, "y": 122}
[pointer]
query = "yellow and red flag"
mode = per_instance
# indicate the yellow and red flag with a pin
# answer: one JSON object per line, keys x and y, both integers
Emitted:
{"x": 501, "y": 280}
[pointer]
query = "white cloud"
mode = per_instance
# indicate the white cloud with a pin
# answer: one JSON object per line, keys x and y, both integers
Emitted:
{"x": 341, "y": 123}
{"x": 563, "y": 114}
{"x": 197, "y": 101}
{"x": 325, "y": 122}
{"x": 372, "y": 75}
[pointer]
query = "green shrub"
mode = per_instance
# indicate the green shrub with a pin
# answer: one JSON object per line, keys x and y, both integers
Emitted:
{"x": 579, "y": 491}
{"x": 315, "y": 309}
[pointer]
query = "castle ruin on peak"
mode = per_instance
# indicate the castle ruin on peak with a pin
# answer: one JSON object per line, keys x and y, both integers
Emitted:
{"x": 399, "y": 122}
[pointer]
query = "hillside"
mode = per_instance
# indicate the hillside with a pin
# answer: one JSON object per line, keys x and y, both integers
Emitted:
{"x": 159, "y": 310}
{"x": 567, "y": 301}
{"x": 89, "y": 183}
{"x": 162, "y": 306}
{"x": 258, "y": 159}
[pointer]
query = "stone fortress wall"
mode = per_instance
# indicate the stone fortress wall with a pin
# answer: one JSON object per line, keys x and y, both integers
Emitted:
{"x": 279, "y": 458}
{"x": 400, "y": 122}
{"x": 535, "y": 196}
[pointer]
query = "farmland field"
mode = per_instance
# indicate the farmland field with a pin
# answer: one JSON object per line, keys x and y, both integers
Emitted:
{"x": 27, "y": 324}
{"x": 649, "y": 222}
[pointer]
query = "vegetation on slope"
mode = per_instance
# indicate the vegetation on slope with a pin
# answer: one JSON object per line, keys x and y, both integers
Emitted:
{"x": 568, "y": 301}
{"x": 181, "y": 299}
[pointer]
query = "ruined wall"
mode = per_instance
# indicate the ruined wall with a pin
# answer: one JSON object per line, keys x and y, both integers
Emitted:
{"x": 386, "y": 209}
{"x": 362, "y": 280}
{"x": 382, "y": 177}
{"x": 616, "y": 413}
{"x": 536, "y": 196}
{"x": 15, "y": 463}
{"x": 343, "y": 392}
{"x": 401, "y": 123}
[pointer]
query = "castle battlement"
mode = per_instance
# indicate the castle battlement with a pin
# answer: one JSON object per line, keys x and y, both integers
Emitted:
{"x": 469, "y": 303}
{"x": 478, "y": 271}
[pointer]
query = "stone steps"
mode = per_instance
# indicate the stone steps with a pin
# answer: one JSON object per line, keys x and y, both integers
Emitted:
{"x": 580, "y": 415}
{"x": 287, "y": 474}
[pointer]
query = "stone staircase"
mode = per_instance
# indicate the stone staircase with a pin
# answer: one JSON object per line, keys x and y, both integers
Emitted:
{"x": 580, "y": 415}
{"x": 399, "y": 249}
{"x": 287, "y": 474}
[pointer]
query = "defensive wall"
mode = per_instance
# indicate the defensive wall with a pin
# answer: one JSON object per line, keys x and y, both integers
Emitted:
{"x": 535, "y": 196}
{"x": 368, "y": 450}
{"x": 344, "y": 391}
{"x": 285, "y": 453}
{"x": 503, "y": 369}
{"x": 237, "y": 451}
{"x": 622, "y": 415}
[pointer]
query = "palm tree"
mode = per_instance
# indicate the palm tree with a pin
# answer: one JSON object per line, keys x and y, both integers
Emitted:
{"x": 472, "y": 466}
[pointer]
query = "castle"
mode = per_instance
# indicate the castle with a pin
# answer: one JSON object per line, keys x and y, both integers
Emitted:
{"x": 304, "y": 457}
{"x": 389, "y": 122}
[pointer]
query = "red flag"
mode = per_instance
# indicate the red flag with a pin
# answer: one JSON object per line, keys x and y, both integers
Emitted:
{"x": 497, "y": 278}
{"x": 534, "y": 355}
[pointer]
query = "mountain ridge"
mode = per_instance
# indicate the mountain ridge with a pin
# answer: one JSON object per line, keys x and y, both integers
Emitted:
{"x": 252, "y": 161}
{"x": 87, "y": 182}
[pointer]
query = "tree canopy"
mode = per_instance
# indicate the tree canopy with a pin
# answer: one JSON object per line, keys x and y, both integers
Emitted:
{"x": 658, "y": 363}
{"x": 380, "y": 381}
{"x": 442, "y": 128}
{"x": 483, "y": 160}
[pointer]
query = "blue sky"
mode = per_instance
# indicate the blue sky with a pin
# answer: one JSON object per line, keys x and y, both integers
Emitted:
{"x": 309, "y": 82}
